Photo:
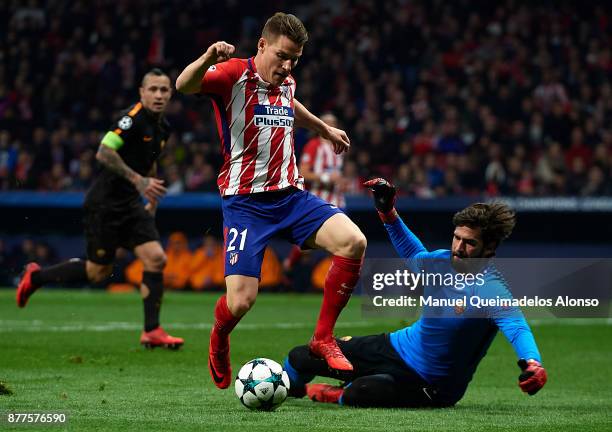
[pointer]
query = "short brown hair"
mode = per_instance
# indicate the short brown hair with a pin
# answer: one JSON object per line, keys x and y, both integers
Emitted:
{"x": 282, "y": 24}
{"x": 496, "y": 220}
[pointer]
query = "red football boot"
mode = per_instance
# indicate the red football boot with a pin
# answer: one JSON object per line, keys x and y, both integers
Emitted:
{"x": 326, "y": 393}
{"x": 159, "y": 338}
{"x": 219, "y": 364}
{"x": 25, "y": 288}
{"x": 328, "y": 349}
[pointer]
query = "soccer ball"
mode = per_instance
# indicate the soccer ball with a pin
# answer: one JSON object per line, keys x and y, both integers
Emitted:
{"x": 262, "y": 384}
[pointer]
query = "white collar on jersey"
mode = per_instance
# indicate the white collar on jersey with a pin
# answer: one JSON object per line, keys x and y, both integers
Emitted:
{"x": 263, "y": 83}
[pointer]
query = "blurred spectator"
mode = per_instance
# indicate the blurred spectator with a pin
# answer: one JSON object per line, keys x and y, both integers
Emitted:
{"x": 178, "y": 264}
{"x": 549, "y": 92}
{"x": 451, "y": 185}
{"x": 578, "y": 149}
{"x": 425, "y": 141}
{"x": 44, "y": 255}
{"x": 208, "y": 265}
{"x": 8, "y": 160}
{"x": 595, "y": 184}
{"x": 57, "y": 180}
{"x": 495, "y": 173}
{"x": 174, "y": 182}
{"x": 25, "y": 177}
{"x": 577, "y": 176}
{"x": 271, "y": 271}
{"x": 319, "y": 273}
{"x": 200, "y": 176}
{"x": 28, "y": 250}
{"x": 23, "y": 254}
{"x": 352, "y": 181}
{"x": 84, "y": 177}
{"x": 6, "y": 272}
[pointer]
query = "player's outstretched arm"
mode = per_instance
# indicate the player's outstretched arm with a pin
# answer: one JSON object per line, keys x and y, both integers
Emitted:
{"x": 151, "y": 188}
{"x": 189, "y": 81}
{"x": 405, "y": 242}
{"x": 515, "y": 328}
{"x": 306, "y": 119}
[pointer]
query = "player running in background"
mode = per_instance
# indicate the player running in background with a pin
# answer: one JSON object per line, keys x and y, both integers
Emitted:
{"x": 321, "y": 168}
{"x": 431, "y": 362}
{"x": 263, "y": 195}
{"x": 115, "y": 215}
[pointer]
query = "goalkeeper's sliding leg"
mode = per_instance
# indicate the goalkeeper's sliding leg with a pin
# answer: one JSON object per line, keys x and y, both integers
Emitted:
{"x": 380, "y": 377}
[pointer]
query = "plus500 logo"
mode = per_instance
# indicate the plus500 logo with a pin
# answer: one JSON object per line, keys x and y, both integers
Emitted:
{"x": 273, "y": 116}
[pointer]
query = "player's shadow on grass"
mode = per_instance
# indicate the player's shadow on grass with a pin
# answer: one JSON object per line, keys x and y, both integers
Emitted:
{"x": 307, "y": 405}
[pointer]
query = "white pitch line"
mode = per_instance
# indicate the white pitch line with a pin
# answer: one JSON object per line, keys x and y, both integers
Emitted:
{"x": 38, "y": 326}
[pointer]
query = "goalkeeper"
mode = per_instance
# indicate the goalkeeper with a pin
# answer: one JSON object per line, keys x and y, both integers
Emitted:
{"x": 431, "y": 362}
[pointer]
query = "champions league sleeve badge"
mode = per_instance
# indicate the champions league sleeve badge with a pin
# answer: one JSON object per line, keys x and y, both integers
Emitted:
{"x": 125, "y": 123}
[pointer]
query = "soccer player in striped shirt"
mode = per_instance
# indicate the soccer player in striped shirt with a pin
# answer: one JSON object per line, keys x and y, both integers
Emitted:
{"x": 256, "y": 111}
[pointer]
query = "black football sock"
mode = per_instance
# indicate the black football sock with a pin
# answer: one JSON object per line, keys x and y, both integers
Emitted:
{"x": 73, "y": 270}
{"x": 152, "y": 303}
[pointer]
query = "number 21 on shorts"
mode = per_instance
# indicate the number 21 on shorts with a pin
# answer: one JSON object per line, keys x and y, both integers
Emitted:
{"x": 232, "y": 235}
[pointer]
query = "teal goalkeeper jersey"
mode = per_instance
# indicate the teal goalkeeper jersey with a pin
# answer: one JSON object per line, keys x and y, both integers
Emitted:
{"x": 446, "y": 351}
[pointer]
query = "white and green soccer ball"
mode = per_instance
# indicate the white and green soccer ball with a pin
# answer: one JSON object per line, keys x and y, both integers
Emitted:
{"x": 262, "y": 384}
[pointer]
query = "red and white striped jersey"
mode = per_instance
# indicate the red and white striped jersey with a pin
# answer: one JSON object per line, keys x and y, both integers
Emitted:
{"x": 319, "y": 154}
{"x": 255, "y": 124}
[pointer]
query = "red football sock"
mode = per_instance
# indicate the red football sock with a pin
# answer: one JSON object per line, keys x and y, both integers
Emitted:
{"x": 224, "y": 323}
{"x": 341, "y": 278}
{"x": 294, "y": 256}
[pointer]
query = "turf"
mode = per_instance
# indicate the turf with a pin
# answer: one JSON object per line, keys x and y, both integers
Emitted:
{"x": 77, "y": 352}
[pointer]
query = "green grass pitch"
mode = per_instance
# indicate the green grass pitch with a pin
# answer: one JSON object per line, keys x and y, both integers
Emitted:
{"x": 77, "y": 352}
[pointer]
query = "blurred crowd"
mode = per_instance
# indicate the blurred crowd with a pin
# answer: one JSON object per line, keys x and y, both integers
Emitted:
{"x": 13, "y": 259}
{"x": 445, "y": 98}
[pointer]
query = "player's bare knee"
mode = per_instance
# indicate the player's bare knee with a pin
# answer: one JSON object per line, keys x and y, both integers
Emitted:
{"x": 354, "y": 246}
{"x": 97, "y": 274}
{"x": 360, "y": 245}
{"x": 155, "y": 262}
{"x": 159, "y": 261}
{"x": 241, "y": 305}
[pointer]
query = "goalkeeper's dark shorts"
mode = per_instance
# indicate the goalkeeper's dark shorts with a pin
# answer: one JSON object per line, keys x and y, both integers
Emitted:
{"x": 107, "y": 229}
{"x": 380, "y": 377}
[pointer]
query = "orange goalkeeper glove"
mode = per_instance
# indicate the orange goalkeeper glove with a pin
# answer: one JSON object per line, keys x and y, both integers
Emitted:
{"x": 533, "y": 376}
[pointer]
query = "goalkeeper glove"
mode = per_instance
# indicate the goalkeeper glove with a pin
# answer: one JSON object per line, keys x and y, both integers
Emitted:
{"x": 533, "y": 376}
{"x": 384, "y": 198}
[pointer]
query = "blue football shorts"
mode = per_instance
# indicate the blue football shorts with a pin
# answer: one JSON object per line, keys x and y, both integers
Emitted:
{"x": 250, "y": 221}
